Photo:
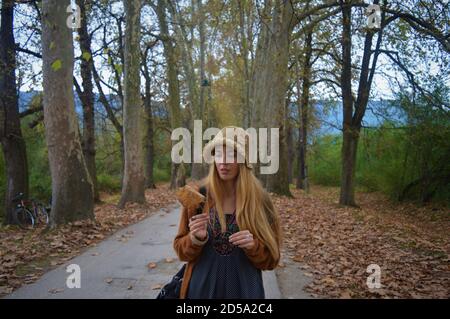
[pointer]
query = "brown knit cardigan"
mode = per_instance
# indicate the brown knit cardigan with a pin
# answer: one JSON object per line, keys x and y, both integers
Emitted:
{"x": 189, "y": 252}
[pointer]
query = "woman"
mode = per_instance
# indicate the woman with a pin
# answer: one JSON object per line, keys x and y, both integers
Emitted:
{"x": 237, "y": 235}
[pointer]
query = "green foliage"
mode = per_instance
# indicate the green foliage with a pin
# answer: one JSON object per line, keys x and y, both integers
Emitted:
{"x": 108, "y": 162}
{"x": 324, "y": 160}
{"x": 162, "y": 165}
{"x": 405, "y": 161}
{"x": 86, "y": 56}
{"x": 380, "y": 160}
{"x": 161, "y": 175}
{"x": 427, "y": 170}
{"x": 108, "y": 183}
{"x": 57, "y": 65}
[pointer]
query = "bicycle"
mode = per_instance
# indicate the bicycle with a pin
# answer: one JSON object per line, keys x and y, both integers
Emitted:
{"x": 27, "y": 218}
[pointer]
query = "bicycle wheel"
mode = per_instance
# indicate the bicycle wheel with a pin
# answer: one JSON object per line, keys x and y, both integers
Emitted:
{"x": 24, "y": 218}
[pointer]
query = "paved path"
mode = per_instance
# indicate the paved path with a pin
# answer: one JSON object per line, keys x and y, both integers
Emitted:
{"x": 117, "y": 267}
{"x": 292, "y": 278}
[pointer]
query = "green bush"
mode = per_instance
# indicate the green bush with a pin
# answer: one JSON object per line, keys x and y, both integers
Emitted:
{"x": 108, "y": 183}
{"x": 389, "y": 159}
{"x": 324, "y": 160}
{"x": 161, "y": 175}
{"x": 380, "y": 160}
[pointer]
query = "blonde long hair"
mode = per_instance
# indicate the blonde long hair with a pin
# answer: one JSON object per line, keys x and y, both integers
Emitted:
{"x": 254, "y": 209}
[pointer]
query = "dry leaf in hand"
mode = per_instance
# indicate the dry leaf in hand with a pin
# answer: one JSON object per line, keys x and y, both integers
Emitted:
{"x": 189, "y": 197}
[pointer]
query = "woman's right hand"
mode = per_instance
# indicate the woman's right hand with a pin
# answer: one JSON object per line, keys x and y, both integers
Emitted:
{"x": 197, "y": 226}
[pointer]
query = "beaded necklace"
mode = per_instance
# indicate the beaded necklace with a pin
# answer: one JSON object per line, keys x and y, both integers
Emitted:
{"x": 220, "y": 240}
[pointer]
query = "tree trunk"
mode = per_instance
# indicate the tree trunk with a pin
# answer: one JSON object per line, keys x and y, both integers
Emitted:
{"x": 349, "y": 151}
{"x": 174, "y": 87}
{"x": 87, "y": 97}
{"x": 13, "y": 144}
{"x": 148, "y": 141}
{"x": 291, "y": 153}
{"x": 201, "y": 31}
{"x": 72, "y": 191}
{"x": 301, "y": 160}
{"x": 350, "y": 139}
{"x": 353, "y": 111}
{"x": 149, "y": 149}
{"x": 302, "y": 180}
{"x": 246, "y": 38}
{"x": 198, "y": 170}
{"x": 270, "y": 86}
{"x": 133, "y": 187}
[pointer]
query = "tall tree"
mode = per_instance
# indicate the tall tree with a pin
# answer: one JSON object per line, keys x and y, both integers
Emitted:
{"x": 148, "y": 140}
{"x": 270, "y": 82}
{"x": 72, "y": 191}
{"x": 199, "y": 170}
{"x": 302, "y": 179}
{"x": 350, "y": 140}
{"x": 133, "y": 186}
{"x": 13, "y": 144}
{"x": 87, "y": 95}
{"x": 172, "y": 78}
{"x": 185, "y": 46}
{"x": 245, "y": 43}
{"x": 202, "y": 38}
{"x": 354, "y": 110}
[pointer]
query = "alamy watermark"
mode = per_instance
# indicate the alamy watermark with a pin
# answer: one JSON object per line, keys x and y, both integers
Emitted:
{"x": 74, "y": 279}
{"x": 374, "y": 279}
{"x": 373, "y": 12}
{"x": 258, "y": 141}
{"x": 74, "y": 19}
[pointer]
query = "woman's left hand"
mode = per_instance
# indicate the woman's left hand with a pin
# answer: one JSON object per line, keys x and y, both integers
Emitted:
{"x": 242, "y": 239}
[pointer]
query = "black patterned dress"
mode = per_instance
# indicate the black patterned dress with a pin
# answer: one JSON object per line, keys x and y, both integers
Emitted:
{"x": 223, "y": 270}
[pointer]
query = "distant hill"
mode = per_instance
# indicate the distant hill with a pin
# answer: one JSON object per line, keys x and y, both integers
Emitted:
{"x": 329, "y": 112}
{"x": 26, "y": 97}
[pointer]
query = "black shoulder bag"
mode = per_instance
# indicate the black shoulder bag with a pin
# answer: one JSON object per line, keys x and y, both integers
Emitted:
{"x": 172, "y": 289}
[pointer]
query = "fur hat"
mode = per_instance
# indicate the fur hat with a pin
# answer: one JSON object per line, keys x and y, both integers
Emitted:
{"x": 239, "y": 140}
